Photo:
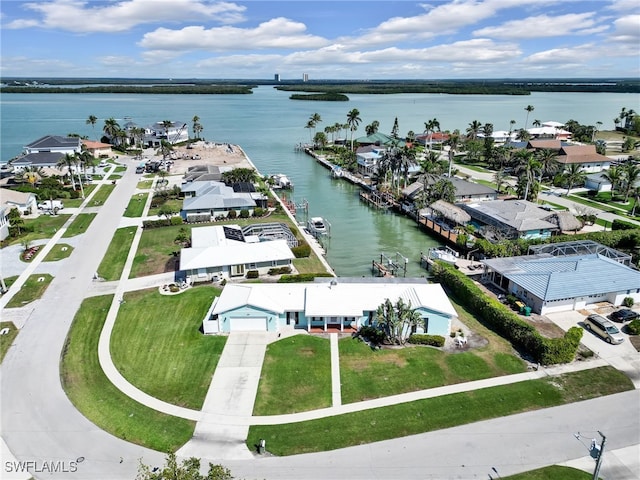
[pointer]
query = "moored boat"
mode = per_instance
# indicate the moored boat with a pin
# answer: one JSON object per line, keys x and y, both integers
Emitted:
{"x": 317, "y": 226}
{"x": 444, "y": 254}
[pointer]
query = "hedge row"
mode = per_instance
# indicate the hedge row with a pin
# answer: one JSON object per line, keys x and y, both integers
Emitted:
{"x": 424, "y": 339}
{"x": 163, "y": 222}
{"x": 505, "y": 322}
{"x": 302, "y": 277}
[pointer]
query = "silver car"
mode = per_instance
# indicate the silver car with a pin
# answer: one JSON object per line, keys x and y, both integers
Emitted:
{"x": 603, "y": 328}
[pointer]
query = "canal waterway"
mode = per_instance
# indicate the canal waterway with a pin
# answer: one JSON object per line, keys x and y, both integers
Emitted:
{"x": 267, "y": 125}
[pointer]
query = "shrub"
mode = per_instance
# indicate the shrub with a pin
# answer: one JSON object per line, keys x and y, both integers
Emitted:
{"x": 302, "y": 277}
{"x": 424, "y": 339}
{"x": 633, "y": 327}
{"x": 279, "y": 270}
{"x": 244, "y": 213}
{"x": 302, "y": 251}
{"x": 258, "y": 212}
{"x": 232, "y": 214}
{"x": 622, "y": 225}
{"x": 628, "y": 302}
{"x": 371, "y": 334}
{"x": 157, "y": 223}
{"x": 253, "y": 274}
{"x": 176, "y": 220}
{"x": 505, "y": 322}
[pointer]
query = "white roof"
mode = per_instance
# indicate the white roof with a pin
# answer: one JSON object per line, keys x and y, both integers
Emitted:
{"x": 234, "y": 253}
{"x": 551, "y": 123}
{"x": 333, "y": 299}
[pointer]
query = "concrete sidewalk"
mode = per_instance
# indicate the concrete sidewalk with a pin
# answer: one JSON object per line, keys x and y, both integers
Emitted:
{"x": 231, "y": 395}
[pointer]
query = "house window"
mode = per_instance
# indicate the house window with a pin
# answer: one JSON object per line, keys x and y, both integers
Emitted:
{"x": 426, "y": 324}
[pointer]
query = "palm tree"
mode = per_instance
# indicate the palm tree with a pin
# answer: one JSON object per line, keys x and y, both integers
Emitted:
{"x": 548, "y": 161}
{"x": 473, "y": 129}
{"x": 320, "y": 139}
{"x": 69, "y": 161}
{"x": 615, "y": 176}
{"x": 430, "y": 127}
{"x": 92, "y": 121}
{"x": 635, "y": 194}
{"x": 353, "y": 120}
{"x": 594, "y": 131}
{"x": 33, "y": 175}
{"x": 166, "y": 125}
{"x": 500, "y": 178}
{"x": 310, "y": 125}
{"x": 511, "y": 125}
{"x": 197, "y": 127}
{"x": 372, "y": 127}
{"x": 528, "y": 109}
{"x": 631, "y": 175}
{"x": 528, "y": 169}
{"x": 536, "y": 123}
{"x": 314, "y": 120}
{"x": 573, "y": 175}
{"x": 616, "y": 122}
{"x": 111, "y": 128}
{"x": 395, "y": 129}
{"x": 523, "y": 135}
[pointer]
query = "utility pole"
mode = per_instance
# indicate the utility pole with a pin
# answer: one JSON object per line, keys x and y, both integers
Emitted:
{"x": 599, "y": 459}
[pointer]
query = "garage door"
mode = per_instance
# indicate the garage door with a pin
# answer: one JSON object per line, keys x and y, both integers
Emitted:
{"x": 239, "y": 324}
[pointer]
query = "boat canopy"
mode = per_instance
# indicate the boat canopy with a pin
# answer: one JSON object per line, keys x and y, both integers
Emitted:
{"x": 451, "y": 212}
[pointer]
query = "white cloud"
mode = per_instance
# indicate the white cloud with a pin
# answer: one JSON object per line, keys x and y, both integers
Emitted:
{"x": 625, "y": 6}
{"x": 275, "y": 33}
{"x": 627, "y": 30}
{"x": 77, "y": 16}
{"x": 558, "y": 56}
{"x": 541, "y": 26}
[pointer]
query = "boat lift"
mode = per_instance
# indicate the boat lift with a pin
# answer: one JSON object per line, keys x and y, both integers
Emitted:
{"x": 390, "y": 266}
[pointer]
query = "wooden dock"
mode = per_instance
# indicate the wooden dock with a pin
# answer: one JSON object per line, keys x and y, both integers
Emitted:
{"x": 390, "y": 267}
{"x": 377, "y": 199}
{"x": 438, "y": 230}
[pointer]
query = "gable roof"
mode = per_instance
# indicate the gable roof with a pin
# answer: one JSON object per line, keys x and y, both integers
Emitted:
{"x": 378, "y": 139}
{"x": 555, "y": 278}
{"x": 92, "y": 145}
{"x": 580, "y": 154}
{"x": 550, "y": 144}
{"x": 14, "y": 197}
{"x": 38, "y": 159}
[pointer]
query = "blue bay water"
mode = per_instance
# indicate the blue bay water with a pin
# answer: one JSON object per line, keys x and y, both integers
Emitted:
{"x": 267, "y": 125}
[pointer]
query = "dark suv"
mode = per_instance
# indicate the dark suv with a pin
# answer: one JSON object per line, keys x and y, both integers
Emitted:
{"x": 624, "y": 315}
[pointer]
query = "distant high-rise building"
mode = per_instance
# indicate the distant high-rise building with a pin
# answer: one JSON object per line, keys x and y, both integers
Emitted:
{"x": 276, "y": 77}
{"x": 305, "y": 77}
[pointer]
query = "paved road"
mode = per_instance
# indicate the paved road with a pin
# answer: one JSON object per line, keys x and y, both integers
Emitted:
{"x": 38, "y": 421}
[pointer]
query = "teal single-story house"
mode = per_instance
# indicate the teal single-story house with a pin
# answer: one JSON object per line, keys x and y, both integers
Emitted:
{"x": 329, "y": 304}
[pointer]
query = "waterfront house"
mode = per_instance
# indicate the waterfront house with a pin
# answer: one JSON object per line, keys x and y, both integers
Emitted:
{"x": 207, "y": 200}
{"x": 36, "y": 160}
{"x": 330, "y": 304}
{"x": 465, "y": 191}
{"x": 177, "y": 132}
{"x": 25, "y": 202}
{"x": 433, "y": 138}
{"x": 222, "y": 252}
{"x": 55, "y": 143}
{"x": 367, "y": 158}
{"x": 548, "y": 283}
{"x": 511, "y": 219}
{"x": 378, "y": 139}
{"x": 584, "y": 155}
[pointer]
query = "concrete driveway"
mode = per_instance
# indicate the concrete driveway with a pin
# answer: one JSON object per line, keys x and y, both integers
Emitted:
{"x": 623, "y": 357}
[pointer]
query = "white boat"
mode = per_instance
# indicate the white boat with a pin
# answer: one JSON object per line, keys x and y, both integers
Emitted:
{"x": 280, "y": 180}
{"x": 444, "y": 254}
{"x": 317, "y": 226}
{"x": 336, "y": 171}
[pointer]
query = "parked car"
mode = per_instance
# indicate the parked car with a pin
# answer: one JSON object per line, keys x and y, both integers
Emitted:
{"x": 603, "y": 328}
{"x": 624, "y": 315}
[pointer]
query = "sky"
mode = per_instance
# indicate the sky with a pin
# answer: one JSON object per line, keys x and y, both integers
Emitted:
{"x": 356, "y": 40}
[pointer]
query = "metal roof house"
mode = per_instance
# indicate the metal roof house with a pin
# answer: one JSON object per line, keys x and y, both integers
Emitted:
{"x": 512, "y": 218}
{"x": 37, "y": 160}
{"x": 548, "y": 283}
{"x": 206, "y": 200}
{"x": 55, "y": 143}
{"x": 221, "y": 252}
{"x": 331, "y": 304}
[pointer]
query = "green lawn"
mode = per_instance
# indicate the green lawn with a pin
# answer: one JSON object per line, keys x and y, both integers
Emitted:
{"x": 175, "y": 204}
{"x": 136, "y": 205}
{"x": 79, "y": 225}
{"x": 286, "y": 362}
{"x": 367, "y": 373}
{"x": 113, "y": 262}
{"x": 7, "y": 340}
{"x": 76, "y": 202}
{"x": 103, "y": 404}
{"x": 58, "y": 252}
{"x": 311, "y": 264}
{"x": 436, "y": 413}
{"x": 102, "y": 194}
{"x": 155, "y": 251}
{"x": 45, "y": 226}
{"x": 553, "y": 472}
{"x": 32, "y": 290}
{"x": 607, "y": 200}
{"x": 144, "y": 184}
{"x": 156, "y": 344}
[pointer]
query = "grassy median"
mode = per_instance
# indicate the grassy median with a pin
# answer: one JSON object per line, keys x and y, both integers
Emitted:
{"x": 103, "y": 404}
{"x": 113, "y": 262}
{"x": 437, "y": 413}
